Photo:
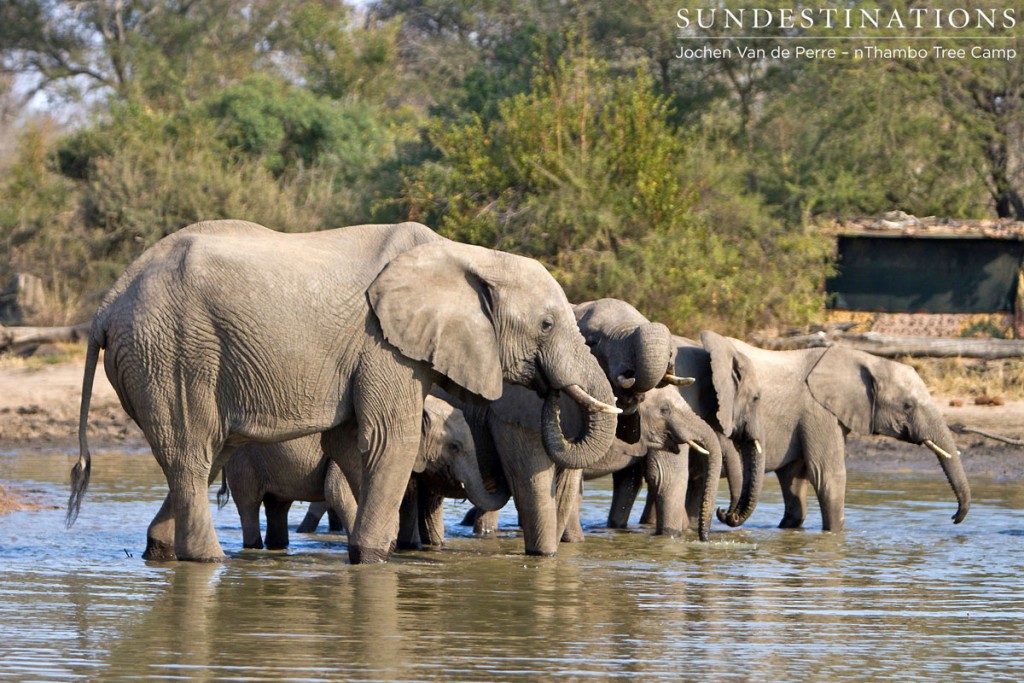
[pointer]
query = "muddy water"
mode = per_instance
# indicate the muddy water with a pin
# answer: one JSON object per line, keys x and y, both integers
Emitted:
{"x": 902, "y": 596}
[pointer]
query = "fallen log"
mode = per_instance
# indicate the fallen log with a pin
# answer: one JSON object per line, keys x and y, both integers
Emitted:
{"x": 963, "y": 429}
{"x": 893, "y": 346}
{"x": 22, "y": 339}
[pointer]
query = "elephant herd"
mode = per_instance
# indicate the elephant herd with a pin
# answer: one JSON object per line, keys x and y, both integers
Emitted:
{"x": 377, "y": 369}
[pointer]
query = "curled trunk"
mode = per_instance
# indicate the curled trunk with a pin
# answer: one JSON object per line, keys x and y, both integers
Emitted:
{"x": 753, "y": 460}
{"x": 652, "y": 347}
{"x": 591, "y": 444}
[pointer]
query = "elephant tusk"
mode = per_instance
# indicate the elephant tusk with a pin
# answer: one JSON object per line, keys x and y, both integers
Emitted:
{"x": 589, "y": 402}
{"x": 697, "y": 447}
{"x": 677, "y": 381}
{"x": 757, "y": 446}
{"x": 625, "y": 382}
{"x": 936, "y": 449}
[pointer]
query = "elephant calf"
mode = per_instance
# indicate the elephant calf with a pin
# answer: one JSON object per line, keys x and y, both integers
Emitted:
{"x": 668, "y": 425}
{"x": 278, "y": 474}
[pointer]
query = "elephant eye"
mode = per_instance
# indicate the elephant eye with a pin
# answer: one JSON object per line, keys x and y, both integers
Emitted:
{"x": 666, "y": 409}
{"x": 454, "y": 448}
{"x": 547, "y": 325}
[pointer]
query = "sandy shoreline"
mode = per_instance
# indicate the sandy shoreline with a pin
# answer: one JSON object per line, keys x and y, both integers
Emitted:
{"x": 39, "y": 408}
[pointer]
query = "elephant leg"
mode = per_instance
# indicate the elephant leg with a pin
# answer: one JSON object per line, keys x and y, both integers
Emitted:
{"x": 667, "y": 475}
{"x": 277, "y": 522}
{"x": 339, "y": 499}
{"x": 830, "y": 485}
{"x": 531, "y": 476}
{"x": 793, "y": 480}
{"x": 335, "y": 522}
{"x": 188, "y": 472}
{"x": 431, "y": 517}
{"x": 249, "y": 515}
{"x": 569, "y": 494}
{"x": 825, "y": 452}
{"x": 485, "y": 523}
{"x": 649, "y": 515}
{"x": 160, "y": 536}
{"x": 389, "y": 438}
{"x": 625, "y": 488}
{"x": 313, "y": 516}
{"x": 409, "y": 520}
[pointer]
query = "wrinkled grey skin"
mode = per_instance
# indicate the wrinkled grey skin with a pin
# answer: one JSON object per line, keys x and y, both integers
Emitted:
{"x": 727, "y": 396}
{"x": 227, "y": 333}
{"x": 278, "y": 474}
{"x": 636, "y": 356}
{"x": 812, "y": 398}
{"x": 662, "y": 458}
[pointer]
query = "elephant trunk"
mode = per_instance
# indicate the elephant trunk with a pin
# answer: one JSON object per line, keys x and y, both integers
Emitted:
{"x": 753, "y": 480}
{"x": 652, "y": 345}
{"x": 712, "y": 473}
{"x": 944, "y": 447}
{"x": 486, "y": 498}
{"x": 597, "y": 431}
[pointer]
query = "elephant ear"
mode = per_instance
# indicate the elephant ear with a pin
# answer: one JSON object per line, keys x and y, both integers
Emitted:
{"x": 843, "y": 383}
{"x": 726, "y": 375}
{"x": 435, "y": 304}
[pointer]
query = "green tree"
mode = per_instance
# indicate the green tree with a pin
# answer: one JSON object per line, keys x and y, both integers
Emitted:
{"x": 587, "y": 173}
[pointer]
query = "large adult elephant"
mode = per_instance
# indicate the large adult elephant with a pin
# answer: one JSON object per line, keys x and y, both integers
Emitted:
{"x": 226, "y": 332}
{"x": 812, "y": 398}
{"x": 637, "y": 356}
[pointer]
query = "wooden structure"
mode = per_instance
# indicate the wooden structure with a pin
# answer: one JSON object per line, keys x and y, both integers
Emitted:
{"x": 927, "y": 277}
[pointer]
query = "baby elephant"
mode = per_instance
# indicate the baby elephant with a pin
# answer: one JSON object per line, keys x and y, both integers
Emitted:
{"x": 278, "y": 474}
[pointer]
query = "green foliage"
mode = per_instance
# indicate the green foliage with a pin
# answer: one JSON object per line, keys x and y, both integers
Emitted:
{"x": 587, "y": 173}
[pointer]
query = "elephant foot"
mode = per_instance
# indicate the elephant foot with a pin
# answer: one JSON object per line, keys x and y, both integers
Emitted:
{"x": 256, "y": 545}
{"x": 408, "y": 545}
{"x": 616, "y": 525}
{"x": 358, "y": 555}
{"x": 787, "y": 523}
{"x": 671, "y": 533}
{"x": 159, "y": 551}
{"x": 574, "y": 536}
{"x": 540, "y": 553}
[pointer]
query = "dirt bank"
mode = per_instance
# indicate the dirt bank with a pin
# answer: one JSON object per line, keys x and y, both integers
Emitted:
{"x": 39, "y": 408}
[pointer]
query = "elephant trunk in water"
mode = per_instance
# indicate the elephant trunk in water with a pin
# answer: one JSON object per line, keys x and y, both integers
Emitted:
{"x": 712, "y": 459}
{"x": 753, "y": 480}
{"x": 598, "y": 418}
{"x": 944, "y": 446}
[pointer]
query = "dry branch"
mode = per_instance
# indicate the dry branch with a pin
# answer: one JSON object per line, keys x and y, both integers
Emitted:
{"x": 893, "y": 346}
{"x": 20, "y": 339}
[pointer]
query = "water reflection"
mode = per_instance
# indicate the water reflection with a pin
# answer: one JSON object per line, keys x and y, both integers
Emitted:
{"x": 901, "y": 595}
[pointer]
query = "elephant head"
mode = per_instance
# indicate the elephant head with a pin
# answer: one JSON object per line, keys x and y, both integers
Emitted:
{"x": 872, "y": 395}
{"x": 448, "y": 457}
{"x": 635, "y": 354}
{"x": 481, "y": 317}
{"x": 668, "y": 424}
{"x": 738, "y": 394}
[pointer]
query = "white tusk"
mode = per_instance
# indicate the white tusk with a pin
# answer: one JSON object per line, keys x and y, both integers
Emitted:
{"x": 697, "y": 447}
{"x": 678, "y": 381}
{"x": 625, "y": 382}
{"x": 589, "y": 402}
{"x": 757, "y": 446}
{"x": 935, "y": 449}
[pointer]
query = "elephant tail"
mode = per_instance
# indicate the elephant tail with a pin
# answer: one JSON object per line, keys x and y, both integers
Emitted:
{"x": 224, "y": 493}
{"x": 80, "y": 472}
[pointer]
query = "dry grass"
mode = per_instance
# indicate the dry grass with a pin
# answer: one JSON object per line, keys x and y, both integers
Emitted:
{"x": 971, "y": 378}
{"x": 46, "y": 355}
